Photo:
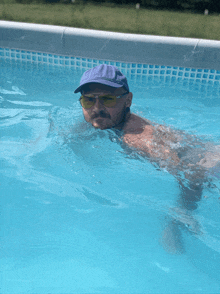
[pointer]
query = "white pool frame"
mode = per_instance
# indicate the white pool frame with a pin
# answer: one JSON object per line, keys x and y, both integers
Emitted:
{"x": 101, "y": 45}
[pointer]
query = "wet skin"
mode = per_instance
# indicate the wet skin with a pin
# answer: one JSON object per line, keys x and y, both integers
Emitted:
{"x": 153, "y": 141}
{"x": 138, "y": 132}
{"x": 102, "y": 117}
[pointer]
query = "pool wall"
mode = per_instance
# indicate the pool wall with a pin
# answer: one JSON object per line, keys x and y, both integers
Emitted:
{"x": 101, "y": 45}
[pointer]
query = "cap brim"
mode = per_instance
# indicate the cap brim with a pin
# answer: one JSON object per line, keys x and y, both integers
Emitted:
{"x": 106, "y": 83}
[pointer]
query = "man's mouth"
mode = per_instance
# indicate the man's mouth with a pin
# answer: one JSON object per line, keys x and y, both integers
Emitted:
{"x": 99, "y": 118}
{"x": 99, "y": 115}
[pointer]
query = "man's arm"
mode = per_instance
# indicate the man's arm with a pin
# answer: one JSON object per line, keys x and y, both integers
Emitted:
{"x": 155, "y": 143}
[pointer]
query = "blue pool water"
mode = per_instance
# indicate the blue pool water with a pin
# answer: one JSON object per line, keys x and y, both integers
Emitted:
{"x": 81, "y": 214}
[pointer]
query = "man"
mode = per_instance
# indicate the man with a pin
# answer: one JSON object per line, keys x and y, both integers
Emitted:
{"x": 106, "y": 102}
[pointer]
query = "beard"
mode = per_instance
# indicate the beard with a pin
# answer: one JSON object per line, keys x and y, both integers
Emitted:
{"x": 101, "y": 114}
{"x": 102, "y": 123}
{"x": 103, "y": 120}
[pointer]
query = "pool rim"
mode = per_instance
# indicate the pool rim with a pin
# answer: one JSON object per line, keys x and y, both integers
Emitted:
{"x": 104, "y": 45}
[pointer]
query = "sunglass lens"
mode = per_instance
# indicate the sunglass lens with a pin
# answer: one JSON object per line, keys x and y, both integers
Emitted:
{"x": 108, "y": 101}
{"x": 87, "y": 102}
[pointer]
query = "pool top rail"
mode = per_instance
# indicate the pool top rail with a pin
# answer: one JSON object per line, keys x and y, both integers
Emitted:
{"x": 147, "y": 49}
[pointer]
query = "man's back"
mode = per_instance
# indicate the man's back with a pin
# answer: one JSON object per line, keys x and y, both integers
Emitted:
{"x": 160, "y": 142}
{"x": 154, "y": 141}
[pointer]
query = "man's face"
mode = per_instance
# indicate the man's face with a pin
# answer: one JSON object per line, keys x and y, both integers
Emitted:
{"x": 103, "y": 117}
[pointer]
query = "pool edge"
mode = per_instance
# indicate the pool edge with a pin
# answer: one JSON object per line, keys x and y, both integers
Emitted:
{"x": 147, "y": 49}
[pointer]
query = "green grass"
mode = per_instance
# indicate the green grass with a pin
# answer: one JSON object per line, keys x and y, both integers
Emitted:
{"x": 109, "y": 17}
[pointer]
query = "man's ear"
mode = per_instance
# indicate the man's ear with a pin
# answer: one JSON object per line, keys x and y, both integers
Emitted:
{"x": 129, "y": 99}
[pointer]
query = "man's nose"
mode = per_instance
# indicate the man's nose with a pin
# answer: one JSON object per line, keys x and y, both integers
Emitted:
{"x": 98, "y": 104}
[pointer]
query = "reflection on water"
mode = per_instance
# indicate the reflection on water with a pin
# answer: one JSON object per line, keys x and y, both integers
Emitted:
{"x": 78, "y": 199}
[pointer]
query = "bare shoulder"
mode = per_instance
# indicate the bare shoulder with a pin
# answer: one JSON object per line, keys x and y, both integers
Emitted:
{"x": 154, "y": 140}
{"x": 142, "y": 129}
{"x": 137, "y": 131}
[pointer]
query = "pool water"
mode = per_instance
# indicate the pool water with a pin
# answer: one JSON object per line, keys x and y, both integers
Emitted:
{"x": 80, "y": 213}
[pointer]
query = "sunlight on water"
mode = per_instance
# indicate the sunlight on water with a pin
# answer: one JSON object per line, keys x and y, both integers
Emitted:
{"x": 84, "y": 214}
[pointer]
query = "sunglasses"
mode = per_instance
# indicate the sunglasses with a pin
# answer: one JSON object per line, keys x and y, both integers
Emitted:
{"x": 87, "y": 101}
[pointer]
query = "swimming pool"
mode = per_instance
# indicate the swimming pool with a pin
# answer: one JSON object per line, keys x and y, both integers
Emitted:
{"x": 80, "y": 213}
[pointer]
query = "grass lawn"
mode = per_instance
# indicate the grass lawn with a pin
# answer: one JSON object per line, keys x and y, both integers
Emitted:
{"x": 109, "y": 17}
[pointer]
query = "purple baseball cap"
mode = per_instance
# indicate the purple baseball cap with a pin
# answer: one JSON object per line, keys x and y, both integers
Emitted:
{"x": 104, "y": 74}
